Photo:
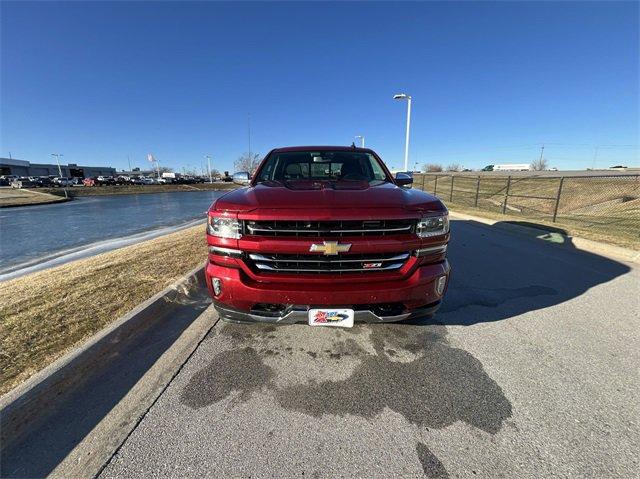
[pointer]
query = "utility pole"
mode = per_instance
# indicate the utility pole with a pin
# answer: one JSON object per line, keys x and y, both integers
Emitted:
{"x": 208, "y": 157}
{"x": 595, "y": 157}
{"x": 541, "y": 153}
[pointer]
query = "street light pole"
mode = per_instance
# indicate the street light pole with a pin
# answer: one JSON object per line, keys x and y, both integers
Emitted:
{"x": 58, "y": 155}
{"x": 404, "y": 96}
{"x": 208, "y": 157}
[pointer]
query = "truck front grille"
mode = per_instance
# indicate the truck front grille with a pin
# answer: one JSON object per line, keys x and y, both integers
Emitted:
{"x": 327, "y": 229}
{"x": 316, "y": 264}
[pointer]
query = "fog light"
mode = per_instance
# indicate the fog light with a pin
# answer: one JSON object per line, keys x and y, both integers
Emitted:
{"x": 440, "y": 284}
{"x": 217, "y": 286}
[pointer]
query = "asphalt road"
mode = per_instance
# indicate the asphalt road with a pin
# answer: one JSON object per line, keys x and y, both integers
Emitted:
{"x": 529, "y": 370}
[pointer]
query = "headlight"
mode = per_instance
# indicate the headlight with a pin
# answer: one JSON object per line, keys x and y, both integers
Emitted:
{"x": 224, "y": 227}
{"x": 433, "y": 226}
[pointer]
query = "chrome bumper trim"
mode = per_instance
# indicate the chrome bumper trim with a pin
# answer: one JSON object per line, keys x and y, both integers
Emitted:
{"x": 300, "y": 314}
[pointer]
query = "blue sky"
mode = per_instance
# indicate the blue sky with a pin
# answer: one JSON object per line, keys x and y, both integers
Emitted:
{"x": 490, "y": 82}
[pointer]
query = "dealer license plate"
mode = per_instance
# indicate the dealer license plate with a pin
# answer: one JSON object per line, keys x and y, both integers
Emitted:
{"x": 342, "y": 318}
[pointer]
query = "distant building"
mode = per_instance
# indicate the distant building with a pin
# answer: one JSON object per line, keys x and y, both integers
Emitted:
{"x": 9, "y": 166}
{"x": 137, "y": 172}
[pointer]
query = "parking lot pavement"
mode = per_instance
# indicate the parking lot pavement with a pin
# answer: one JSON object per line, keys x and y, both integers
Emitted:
{"x": 530, "y": 369}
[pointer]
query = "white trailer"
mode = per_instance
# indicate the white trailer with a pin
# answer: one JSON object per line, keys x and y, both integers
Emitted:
{"x": 512, "y": 167}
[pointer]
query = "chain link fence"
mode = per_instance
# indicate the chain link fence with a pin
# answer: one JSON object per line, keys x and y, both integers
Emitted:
{"x": 607, "y": 206}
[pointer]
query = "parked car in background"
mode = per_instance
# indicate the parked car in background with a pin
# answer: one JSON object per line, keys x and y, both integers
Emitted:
{"x": 7, "y": 179}
{"x": 23, "y": 182}
{"x": 42, "y": 181}
{"x": 123, "y": 180}
{"x": 62, "y": 181}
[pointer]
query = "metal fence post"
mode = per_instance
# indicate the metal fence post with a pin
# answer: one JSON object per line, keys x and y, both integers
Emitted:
{"x": 506, "y": 195}
{"x": 477, "y": 191}
{"x": 435, "y": 187}
{"x": 451, "y": 194}
{"x": 555, "y": 209}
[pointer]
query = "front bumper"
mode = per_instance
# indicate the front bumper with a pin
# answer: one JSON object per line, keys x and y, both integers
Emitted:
{"x": 413, "y": 295}
{"x": 300, "y": 314}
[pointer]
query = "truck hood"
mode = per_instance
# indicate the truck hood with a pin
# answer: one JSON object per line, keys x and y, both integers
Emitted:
{"x": 385, "y": 196}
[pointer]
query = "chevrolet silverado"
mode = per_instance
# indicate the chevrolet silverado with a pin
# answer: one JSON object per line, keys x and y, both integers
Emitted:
{"x": 326, "y": 235}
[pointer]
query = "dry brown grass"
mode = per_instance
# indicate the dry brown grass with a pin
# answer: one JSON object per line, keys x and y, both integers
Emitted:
{"x": 138, "y": 189}
{"x": 603, "y": 209}
{"x": 44, "y": 314}
{"x": 22, "y": 197}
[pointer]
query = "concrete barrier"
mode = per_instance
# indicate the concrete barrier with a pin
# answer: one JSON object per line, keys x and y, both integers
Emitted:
{"x": 68, "y": 419}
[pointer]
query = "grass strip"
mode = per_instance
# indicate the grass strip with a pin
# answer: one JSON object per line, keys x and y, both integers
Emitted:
{"x": 138, "y": 189}
{"x": 20, "y": 197}
{"x": 45, "y": 314}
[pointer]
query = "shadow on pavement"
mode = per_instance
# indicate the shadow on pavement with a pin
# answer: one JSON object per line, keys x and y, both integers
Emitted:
{"x": 498, "y": 274}
{"x": 97, "y": 387}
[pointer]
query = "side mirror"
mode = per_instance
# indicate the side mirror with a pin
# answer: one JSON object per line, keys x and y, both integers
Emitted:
{"x": 241, "y": 178}
{"x": 403, "y": 179}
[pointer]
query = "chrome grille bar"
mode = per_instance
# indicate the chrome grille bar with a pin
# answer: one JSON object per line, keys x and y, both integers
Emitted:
{"x": 254, "y": 229}
{"x": 313, "y": 263}
{"x": 263, "y": 266}
{"x": 329, "y": 228}
{"x": 322, "y": 259}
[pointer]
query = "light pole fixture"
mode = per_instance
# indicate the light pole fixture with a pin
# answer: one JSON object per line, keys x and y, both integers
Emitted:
{"x": 404, "y": 96}
{"x": 57, "y": 156}
{"x": 361, "y": 140}
{"x": 208, "y": 157}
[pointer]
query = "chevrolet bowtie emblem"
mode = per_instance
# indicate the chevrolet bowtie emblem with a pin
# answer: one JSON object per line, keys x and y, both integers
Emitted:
{"x": 330, "y": 248}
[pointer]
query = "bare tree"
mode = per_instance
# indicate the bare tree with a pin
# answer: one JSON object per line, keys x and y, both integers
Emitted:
{"x": 165, "y": 169}
{"x": 432, "y": 167}
{"x": 248, "y": 162}
{"x": 540, "y": 164}
{"x": 454, "y": 167}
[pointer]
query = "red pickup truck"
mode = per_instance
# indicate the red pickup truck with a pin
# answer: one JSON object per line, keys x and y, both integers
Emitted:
{"x": 326, "y": 235}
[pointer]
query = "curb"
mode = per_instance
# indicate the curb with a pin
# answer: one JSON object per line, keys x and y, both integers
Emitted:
{"x": 557, "y": 239}
{"x": 32, "y": 407}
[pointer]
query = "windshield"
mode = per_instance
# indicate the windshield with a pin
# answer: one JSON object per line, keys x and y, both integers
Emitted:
{"x": 322, "y": 166}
